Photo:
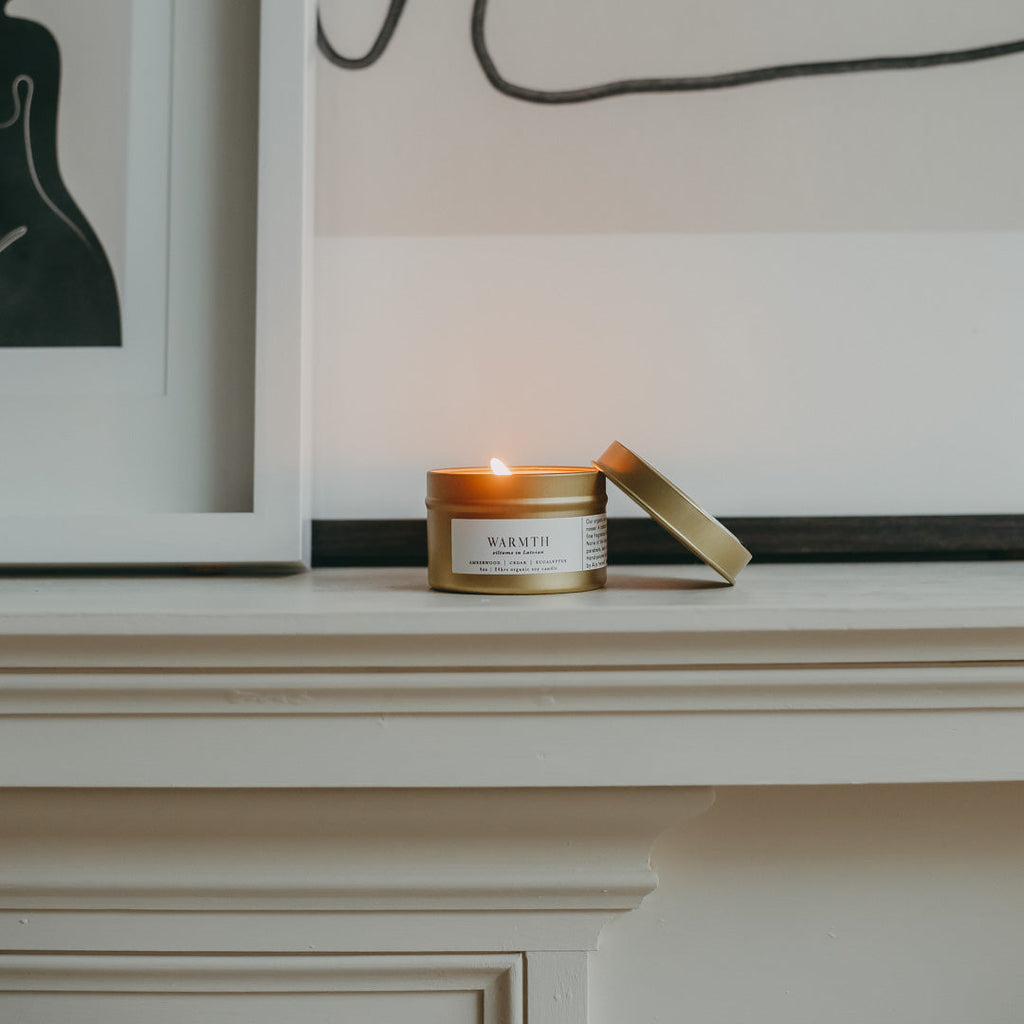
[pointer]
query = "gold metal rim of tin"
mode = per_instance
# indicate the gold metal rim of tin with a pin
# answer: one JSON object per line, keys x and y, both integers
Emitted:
{"x": 704, "y": 535}
{"x": 524, "y": 484}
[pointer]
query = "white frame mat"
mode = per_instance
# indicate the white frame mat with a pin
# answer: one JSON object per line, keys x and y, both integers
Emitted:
{"x": 161, "y": 530}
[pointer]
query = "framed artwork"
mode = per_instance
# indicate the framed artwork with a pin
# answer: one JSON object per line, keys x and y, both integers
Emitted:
{"x": 155, "y": 248}
{"x": 775, "y": 248}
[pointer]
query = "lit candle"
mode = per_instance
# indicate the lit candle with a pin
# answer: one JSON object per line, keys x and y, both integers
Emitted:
{"x": 524, "y": 530}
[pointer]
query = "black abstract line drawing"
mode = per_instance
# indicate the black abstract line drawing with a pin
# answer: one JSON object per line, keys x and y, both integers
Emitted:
{"x": 57, "y": 288}
{"x": 691, "y": 83}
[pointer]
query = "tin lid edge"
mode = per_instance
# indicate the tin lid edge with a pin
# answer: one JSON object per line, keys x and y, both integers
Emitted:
{"x": 683, "y": 518}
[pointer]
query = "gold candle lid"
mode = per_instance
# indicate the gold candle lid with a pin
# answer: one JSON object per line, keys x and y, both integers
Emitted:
{"x": 704, "y": 535}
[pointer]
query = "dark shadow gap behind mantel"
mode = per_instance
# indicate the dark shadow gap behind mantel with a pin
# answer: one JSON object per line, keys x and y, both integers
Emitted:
{"x": 403, "y": 542}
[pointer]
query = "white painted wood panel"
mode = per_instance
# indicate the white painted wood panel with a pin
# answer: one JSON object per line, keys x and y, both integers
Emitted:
{"x": 110, "y": 989}
{"x": 363, "y": 799}
{"x": 235, "y": 1008}
{"x": 556, "y": 987}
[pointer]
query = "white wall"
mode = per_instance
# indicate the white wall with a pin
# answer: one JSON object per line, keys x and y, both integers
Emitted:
{"x": 862, "y": 905}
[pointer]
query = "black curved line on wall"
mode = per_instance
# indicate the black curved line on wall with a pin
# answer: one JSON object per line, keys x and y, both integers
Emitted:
{"x": 692, "y": 83}
{"x": 372, "y": 55}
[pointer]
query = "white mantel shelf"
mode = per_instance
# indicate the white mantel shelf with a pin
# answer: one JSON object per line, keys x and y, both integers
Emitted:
{"x": 365, "y": 678}
{"x": 342, "y": 786}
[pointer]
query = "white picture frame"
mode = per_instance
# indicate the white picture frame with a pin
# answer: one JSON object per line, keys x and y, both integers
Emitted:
{"x": 273, "y": 531}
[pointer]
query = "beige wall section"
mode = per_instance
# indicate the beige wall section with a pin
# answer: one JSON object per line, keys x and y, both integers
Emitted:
{"x": 420, "y": 144}
{"x": 880, "y": 904}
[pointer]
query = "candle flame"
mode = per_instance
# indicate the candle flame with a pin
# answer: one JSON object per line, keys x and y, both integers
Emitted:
{"x": 498, "y": 468}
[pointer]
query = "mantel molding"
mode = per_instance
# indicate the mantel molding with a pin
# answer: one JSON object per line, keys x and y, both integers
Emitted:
{"x": 810, "y": 687}
{"x": 800, "y": 674}
{"x": 444, "y": 870}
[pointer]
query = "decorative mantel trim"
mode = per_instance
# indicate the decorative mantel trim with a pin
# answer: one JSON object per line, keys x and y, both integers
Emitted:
{"x": 522, "y": 691}
{"x": 363, "y": 678}
{"x": 554, "y": 864}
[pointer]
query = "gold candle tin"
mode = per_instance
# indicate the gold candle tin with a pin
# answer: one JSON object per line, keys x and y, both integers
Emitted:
{"x": 538, "y": 530}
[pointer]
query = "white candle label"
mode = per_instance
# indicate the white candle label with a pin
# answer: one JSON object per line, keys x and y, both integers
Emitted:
{"x": 519, "y": 547}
